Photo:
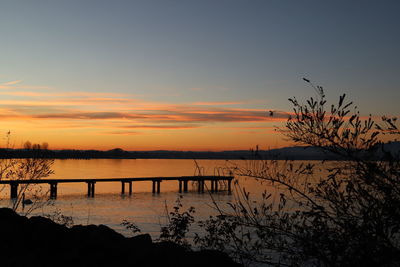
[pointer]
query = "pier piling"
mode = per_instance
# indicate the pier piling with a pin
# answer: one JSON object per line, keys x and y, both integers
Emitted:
{"x": 53, "y": 190}
{"x": 13, "y": 190}
{"x": 90, "y": 189}
{"x": 158, "y": 187}
{"x": 180, "y": 186}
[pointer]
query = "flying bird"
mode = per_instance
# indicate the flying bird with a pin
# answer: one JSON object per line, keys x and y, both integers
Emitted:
{"x": 271, "y": 113}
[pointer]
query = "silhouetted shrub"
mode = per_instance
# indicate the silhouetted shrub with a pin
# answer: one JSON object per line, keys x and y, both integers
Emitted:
{"x": 347, "y": 213}
{"x": 30, "y": 168}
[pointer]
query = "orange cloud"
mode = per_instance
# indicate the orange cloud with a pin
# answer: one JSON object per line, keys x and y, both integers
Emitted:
{"x": 23, "y": 109}
{"x": 121, "y": 133}
{"x": 84, "y": 119}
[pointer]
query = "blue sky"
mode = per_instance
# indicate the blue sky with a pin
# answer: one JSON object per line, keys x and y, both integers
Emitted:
{"x": 253, "y": 53}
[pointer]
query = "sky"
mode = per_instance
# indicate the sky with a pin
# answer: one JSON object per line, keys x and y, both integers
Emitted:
{"x": 187, "y": 75}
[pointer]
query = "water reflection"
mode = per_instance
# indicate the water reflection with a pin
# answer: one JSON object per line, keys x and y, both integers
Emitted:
{"x": 147, "y": 210}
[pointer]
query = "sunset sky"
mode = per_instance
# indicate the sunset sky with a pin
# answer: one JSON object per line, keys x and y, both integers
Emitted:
{"x": 187, "y": 75}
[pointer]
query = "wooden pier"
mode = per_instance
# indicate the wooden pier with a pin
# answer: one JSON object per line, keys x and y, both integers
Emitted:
{"x": 183, "y": 182}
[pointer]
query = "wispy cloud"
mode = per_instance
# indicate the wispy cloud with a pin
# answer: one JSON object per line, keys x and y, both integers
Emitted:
{"x": 65, "y": 102}
{"x": 17, "y": 85}
{"x": 11, "y": 83}
{"x": 62, "y": 94}
{"x": 120, "y": 133}
{"x": 119, "y": 113}
{"x": 224, "y": 103}
{"x": 154, "y": 116}
{"x": 163, "y": 127}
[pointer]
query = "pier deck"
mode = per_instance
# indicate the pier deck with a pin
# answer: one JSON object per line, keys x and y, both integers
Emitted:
{"x": 156, "y": 183}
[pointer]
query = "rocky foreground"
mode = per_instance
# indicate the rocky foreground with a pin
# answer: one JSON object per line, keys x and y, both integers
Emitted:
{"x": 39, "y": 241}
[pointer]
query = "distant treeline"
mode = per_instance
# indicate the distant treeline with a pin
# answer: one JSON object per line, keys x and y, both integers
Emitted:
{"x": 286, "y": 153}
{"x": 294, "y": 153}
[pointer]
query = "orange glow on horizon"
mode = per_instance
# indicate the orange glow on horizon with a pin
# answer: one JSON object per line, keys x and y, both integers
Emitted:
{"x": 103, "y": 121}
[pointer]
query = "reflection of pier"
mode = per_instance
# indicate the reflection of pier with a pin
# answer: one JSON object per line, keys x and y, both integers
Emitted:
{"x": 215, "y": 183}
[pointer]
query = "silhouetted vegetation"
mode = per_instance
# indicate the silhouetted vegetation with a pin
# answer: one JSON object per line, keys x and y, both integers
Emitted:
{"x": 65, "y": 154}
{"x": 178, "y": 225}
{"x": 339, "y": 213}
{"x": 32, "y": 168}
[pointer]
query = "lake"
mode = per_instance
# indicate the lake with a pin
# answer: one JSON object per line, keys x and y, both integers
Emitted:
{"x": 146, "y": 209}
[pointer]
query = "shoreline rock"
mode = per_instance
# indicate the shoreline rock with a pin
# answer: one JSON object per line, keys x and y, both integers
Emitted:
{"x": 38, "y": 241}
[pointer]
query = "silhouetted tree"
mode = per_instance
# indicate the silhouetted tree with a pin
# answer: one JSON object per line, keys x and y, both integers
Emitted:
{"x": 32, "y": 168}
{"x": 346, "y": 214}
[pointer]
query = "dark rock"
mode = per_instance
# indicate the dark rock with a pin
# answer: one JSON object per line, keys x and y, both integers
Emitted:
{"x": 39, "y": 241}
{"x": 218, "y": 258}
{"x": 139, "y": 240}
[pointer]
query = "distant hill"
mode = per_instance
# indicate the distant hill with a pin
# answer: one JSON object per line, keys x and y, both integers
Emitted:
{"x": 290, "y": 153}
{"x": 390, "y": 148}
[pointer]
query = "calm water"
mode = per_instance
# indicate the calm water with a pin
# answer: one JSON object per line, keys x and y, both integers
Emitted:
{"x": 147, "y": 210}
